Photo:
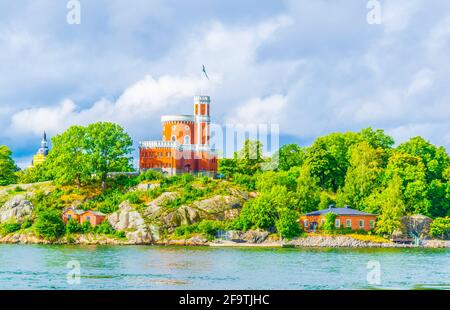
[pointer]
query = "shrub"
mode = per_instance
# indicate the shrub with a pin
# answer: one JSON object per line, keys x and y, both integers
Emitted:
{"x": 210, "y": 228}
{"x": 186, "y": 230}
{"x": 27, "y": 223}
{"x": 49, "y": 224}
{"x": 86, "y": 227}
{"x": 150, "y": 175}
{"x": 125, "y": 181}
{"x": 188, "y": 195}
{"x": 105, "y": 228}
{"x": 330, "y": 219}
{"x": 133, "y": 197}
{"x": 287, "y": 224}
{"x": 440, "y": 227}
{"x": 205, "y": 180}
{"x": 8, "y": 228}
{"x": 246, "y": 181}
{"x": 107, "y": 202}
{"x": 120, "y": 234}
{"x": 73, "y": 227}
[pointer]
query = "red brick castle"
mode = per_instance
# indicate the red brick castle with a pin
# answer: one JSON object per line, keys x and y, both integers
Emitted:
{"x": 185, "y": 145}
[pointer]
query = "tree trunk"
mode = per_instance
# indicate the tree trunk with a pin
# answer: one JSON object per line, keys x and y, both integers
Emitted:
{"x": 104, "y": 186}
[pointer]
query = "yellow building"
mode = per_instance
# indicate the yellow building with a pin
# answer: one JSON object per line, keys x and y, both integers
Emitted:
{"x": 42, "y": 153}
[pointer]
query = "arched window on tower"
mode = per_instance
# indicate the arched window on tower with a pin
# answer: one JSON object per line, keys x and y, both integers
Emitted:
{"x": 187, "y": 139}
{"x": 174, "y": 138}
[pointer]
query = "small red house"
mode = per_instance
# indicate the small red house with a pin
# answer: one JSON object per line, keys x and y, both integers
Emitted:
{"x": 346, "y": 218}
{"x": 94, "y": 217}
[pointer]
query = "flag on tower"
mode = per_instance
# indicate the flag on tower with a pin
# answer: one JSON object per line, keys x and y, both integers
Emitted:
{"x": 204, "y": 71}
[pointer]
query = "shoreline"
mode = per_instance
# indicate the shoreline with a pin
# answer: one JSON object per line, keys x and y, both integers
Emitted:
{"x": 305, "y": 242}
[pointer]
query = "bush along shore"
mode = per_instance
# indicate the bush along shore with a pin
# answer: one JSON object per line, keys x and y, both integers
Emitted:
{"x": 253, "y": 201}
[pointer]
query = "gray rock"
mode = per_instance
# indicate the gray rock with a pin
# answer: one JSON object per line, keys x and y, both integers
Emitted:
{"x": 129, "y": 220}
{"x": 155, "y": 207}
{"x": 17, "y": 208}
{"x": 418, "y": 225}
{"x": 255, "y": 236}
{"x": 147, "y": 186}
{"x": 220, "y": 207}
{"x": 196, "y": 240}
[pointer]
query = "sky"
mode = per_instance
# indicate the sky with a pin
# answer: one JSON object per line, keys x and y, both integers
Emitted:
{"x": 313, "y": 67}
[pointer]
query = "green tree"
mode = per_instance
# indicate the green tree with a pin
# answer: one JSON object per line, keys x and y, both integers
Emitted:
{"x": 330, "y": 221}
{"x": 7, "y": 166}
{"x": 435, "y": 159}
{"x": 39, "y": 173}
{"x": 391, "y": 206}
{"x": 250, "y": 157}
{"x": 308, "y": 191}
{"x": 257, "y": 213}
{"x": 326, "y": 199}
{"x": 228, "y": 167}
{"x": 440, "y": 227}
{"x": 266, "y": 180}
{"x": 109, "y": 148}
{"x": 287, "y": 223}
{"x": 411, "y": 171}
{"x": 363, "y": 176}
{"x": 68, "y": 160}
{"x": 290, "y": 155}
{"x": 438, "y": 194}
{"x": 263, "y": 211}
{"x": 376, "y": 138}
{"x": 328, "y": 158}
{"x": 49, "y": 224}
{"x": 73, "y": 227}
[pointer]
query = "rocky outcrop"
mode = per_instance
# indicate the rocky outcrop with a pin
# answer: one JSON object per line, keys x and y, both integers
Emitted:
{"x": 16, "y": 209}
{"x": 147, "y": 186}
{"x": 23, "y": 239}
{"x": 130, "y": 221}
{"x": 85, "y": 239}
{"x": 220, "y": 207}
{"x": 184, "y": 215}
{"x": 155, "y": 208}
{"x": 415, "y": 225}
{"x": 251, "y": 236}
{"x": 193, "y": 241}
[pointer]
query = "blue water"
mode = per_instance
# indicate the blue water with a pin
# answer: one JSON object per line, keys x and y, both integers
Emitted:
{"x": 152, "y": 267}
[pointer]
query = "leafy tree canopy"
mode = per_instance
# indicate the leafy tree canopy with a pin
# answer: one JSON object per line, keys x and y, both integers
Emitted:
{"x": 7, "y": 166}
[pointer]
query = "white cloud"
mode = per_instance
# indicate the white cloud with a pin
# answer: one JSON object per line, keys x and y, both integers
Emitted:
{"x": 259, "y": 111}
{"x": 397, "y": 15}
{"x": 141, "y": 101}
{"x": 311, "y": 71}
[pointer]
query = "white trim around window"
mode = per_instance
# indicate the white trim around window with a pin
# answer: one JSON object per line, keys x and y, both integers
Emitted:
{"x": 337, "y": 223}
{"x": 361, "y": 223}
{"x": 348, "y": 223}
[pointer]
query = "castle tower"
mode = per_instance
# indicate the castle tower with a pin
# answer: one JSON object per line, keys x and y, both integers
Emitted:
{"x": 202, "y": 120}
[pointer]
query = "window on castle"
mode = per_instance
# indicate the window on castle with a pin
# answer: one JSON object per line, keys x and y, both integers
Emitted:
{"x": 187, "y": 140}
{"x": 174, "y": 138}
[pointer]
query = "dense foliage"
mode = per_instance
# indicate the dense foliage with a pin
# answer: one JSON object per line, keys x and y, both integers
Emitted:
{"x": 80, "y": 153}
{"x": 360, "y": 169}
{"x": 363, "y": 170}
{"x": 49, "y": 224}
{"x": 7, "y": 166}
{"x": 440, "y": 227}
